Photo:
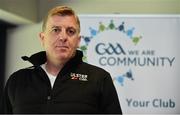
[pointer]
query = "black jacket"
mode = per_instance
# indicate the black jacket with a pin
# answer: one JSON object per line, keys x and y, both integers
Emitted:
{"x": 79, "y": 88}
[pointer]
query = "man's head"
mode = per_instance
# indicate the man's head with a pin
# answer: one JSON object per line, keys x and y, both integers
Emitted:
{"x": 61, "y": 11}
{"x": 61, "y": 34}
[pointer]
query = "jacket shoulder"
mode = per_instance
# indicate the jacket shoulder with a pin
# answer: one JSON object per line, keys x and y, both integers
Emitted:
{"x": 94, "y": 67}
{"x": 24, "y": 70}
{"x": 95, "y": 70}
{"x": 21, "y": 73}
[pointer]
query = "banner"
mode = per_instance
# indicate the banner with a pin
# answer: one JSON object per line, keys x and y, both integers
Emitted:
{"x": 141, "y": 54}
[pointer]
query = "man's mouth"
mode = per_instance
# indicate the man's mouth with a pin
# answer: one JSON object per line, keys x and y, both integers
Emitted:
{"x": 62, "y": 47}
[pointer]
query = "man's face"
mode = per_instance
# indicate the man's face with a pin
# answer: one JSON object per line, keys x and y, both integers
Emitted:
{"x": 60, "y": 38}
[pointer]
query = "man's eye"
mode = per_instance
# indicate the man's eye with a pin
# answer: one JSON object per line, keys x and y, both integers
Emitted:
{"x": 56, "y": 30}
{"x": 71, "y": 31}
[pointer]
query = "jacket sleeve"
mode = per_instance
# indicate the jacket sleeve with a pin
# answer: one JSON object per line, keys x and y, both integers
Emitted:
{"x": 109, "y": 98}
{"x": 5, "y": 104}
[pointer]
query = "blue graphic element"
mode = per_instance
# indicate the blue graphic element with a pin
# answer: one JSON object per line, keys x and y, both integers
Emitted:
{"x": 129, "y": 32}
{"x": 93, "y": 31}
{"x": 121, "y": 27}
{"x": 129, "y": 75}
{"x": 87, "y": 39}
{"x": 120, "y": 79}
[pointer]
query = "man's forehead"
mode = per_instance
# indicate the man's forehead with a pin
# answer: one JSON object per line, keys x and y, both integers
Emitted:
{"x": 61, "y": 21}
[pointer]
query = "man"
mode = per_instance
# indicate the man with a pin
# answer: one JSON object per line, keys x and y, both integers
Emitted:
{"x": 59, "y": 81}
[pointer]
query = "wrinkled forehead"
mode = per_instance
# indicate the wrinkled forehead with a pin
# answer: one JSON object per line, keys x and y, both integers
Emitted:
{"x": 63, "y": 21}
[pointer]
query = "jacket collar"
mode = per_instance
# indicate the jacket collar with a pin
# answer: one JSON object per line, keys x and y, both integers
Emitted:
{"x": 39, "y": 58}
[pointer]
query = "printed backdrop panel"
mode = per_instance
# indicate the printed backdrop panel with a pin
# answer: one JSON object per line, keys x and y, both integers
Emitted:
{"x": 141, "y": 54}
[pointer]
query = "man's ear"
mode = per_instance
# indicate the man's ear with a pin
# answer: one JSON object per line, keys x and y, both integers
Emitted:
{"x": 41, "y": 38}
{"x": 79, "y": 41}
{"x": 41, "y": 35}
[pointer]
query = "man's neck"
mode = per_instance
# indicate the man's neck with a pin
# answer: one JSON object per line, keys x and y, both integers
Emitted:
{"x": 53, "y": 69}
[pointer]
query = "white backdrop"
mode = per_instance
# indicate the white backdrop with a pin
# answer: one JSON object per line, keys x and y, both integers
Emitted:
{"x": 141, "y": 53}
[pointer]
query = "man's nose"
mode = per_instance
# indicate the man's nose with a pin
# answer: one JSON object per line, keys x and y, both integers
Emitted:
{"x": 63, "y": 35}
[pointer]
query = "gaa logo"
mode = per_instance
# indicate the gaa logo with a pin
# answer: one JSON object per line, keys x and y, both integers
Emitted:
{"x": 110, "y": 49}
{"x": 104, "y": 46}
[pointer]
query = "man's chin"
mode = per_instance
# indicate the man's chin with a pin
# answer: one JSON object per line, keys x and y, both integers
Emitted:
{"x": 63, "y": 56}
